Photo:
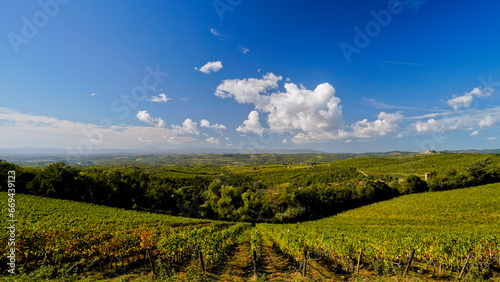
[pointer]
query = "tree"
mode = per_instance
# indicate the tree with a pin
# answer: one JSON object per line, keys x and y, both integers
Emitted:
{"x": 58, "y": 180}
{"x": 413, "y": 184}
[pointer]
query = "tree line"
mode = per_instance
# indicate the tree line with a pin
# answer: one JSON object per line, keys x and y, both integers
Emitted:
{"x": 271, "y": 196}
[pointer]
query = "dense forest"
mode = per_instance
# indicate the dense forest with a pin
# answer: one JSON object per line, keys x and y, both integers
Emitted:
{"x": 273, "y": 192}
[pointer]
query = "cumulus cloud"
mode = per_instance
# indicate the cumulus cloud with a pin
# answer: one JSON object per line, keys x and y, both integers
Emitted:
{"x": 466, "y": 100}
{"x": 433, "y": 125}
{"x": 491, "y": 138}
{"x": 161, "y": 98}
{"x": 248, "y": 90}
{"x": 487, "y": 121}
{"x": 317, "y": 115}
{"x": 217, "y": 127}
{"x": 386, "y": 124}
{"x": 310, "y": 114}
{"x": 210, "y": 67}
{"x": 147, "y": 118}
{"x": 187, "y": 127}
{"x": 252, "y": 124}
{"x": 300, "y": 110}
{"x": 213, "y": 140}
{"x": 475, "y": 133}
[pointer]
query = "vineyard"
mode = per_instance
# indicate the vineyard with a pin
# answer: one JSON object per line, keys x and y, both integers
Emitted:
{"x": 76, "y": 237}
{"x": 447, "y": 234}
{"x": 441, "y": 235}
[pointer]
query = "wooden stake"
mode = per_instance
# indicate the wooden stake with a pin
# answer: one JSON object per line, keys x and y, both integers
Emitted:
{"x": 254, "y": 257}
{"x": 463, "y": 268}
{"x": 359, "y": 258}
{"x": 409, "y": 262}
{"x": 151, "y": 261}
{"x": 200, "y": 255}
{"x": 304, "y": 270}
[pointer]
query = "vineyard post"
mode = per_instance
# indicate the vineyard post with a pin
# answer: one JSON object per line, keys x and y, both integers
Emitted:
{"x": 200, "y": 255}
{"x": 254, "y": 257}
{"x": 463, "y": 268}
{"x": 304, "y": 269}
{"x": 150, "y": 256}
{"x": 359, "y": 258}
{"x": 409, "y": 262}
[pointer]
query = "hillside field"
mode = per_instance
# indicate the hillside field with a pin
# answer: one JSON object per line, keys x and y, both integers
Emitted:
{"x": 446, "y": 231}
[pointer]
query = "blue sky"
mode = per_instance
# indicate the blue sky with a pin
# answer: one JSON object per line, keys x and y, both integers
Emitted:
{"x": 336, "y": 76}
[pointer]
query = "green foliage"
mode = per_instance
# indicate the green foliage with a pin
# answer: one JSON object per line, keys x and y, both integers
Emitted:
{"x": 287, "y": 191}
{"x": 443, "y": 228}
{"x": 75, "y": 236}
{"x": 256, "y": 242}
{"x": 413, "y": 184}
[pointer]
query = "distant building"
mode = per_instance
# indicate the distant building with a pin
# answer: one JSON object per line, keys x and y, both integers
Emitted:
{"x": 427, "y": 175}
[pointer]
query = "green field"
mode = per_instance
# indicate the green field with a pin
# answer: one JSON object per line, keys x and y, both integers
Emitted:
{"x": 59, "y": 238}
{"x": 443, "y": 228}
{"x": 384, "y": 212}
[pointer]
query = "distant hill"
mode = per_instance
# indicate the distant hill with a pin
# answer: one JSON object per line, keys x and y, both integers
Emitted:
{"x": 31, "y": 156}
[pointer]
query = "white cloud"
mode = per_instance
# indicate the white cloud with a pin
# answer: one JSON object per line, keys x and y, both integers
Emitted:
{"x": 309, "y": 137}
{"x": 161, "y": 98}
{"x": 284, "y": 141}
{"x": 188, "y": 127}
{"x": 147, "y": 118}
{"x": 210, "y": 67}
{"x": 382, "y": 105}
{"x": 142, "y": 140}
{"x": 213, "y": 140}
{"x": 432, "y": 125}
{"x": 491, "y": 138}
{"x": 487, "y": 121}
{"x": 248, "y": 90}
{"x": 468, "y": 121}
{"x": 219, "y": 34}
{"x": 317, "y": 115}
{"x": 312, "y": 115}
{"x": 215, "y": 32}
{"x": 252, "y": 124}
{"x": 25, "y": 130}
{"x": 204, "y": 123}
{"x": 172, "y": 140}
{"x": 217, "y": 127}
{"x": 466, "y": 100}
{"x": 243, "y": 49}
{"x": 300, "y": 110}
{"x": 386, "y": 124}
{"x": 185, "y": 99}
{"x": 475, "y": 133}
{"x": 93, "y": 94}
